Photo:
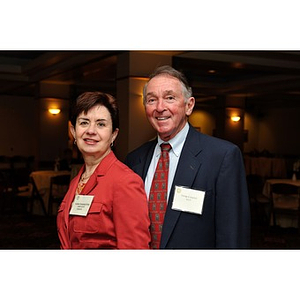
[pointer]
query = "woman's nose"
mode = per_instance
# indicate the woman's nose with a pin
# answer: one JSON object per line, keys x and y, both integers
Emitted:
{"x": 91, "y": 129}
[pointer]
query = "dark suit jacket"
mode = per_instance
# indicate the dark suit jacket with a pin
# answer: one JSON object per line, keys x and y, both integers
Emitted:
{"x": 216, "y": 167}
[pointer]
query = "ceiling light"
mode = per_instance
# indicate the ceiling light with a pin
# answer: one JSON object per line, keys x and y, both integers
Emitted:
{"x": 238, "y": 65}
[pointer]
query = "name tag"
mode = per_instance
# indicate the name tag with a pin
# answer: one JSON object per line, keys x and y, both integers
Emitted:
{"x": 188, "y": 200}
{"x": 81, "y": 205}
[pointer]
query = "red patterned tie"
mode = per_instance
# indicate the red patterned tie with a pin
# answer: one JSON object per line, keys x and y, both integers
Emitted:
{"x": 158, "y": 196}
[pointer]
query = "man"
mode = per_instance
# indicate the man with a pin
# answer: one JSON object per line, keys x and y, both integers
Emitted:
{"x": 207, "y": 197}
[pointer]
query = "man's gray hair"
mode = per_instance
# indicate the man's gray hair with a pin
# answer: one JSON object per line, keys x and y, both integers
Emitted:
{"x": 168, "y": 70}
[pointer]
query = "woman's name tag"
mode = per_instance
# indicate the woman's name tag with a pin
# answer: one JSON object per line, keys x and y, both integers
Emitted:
{"x": 188, "y": 200}
{"x": 81, "y": 205}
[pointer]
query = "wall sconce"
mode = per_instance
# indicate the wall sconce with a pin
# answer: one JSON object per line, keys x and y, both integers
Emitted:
{"x": 54, "y": 111}
{"x": 235, "y": 118}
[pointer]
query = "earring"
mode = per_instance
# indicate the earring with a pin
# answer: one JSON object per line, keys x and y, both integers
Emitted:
{"x": 75, "y": 142}
{"x": 112, "y": 144}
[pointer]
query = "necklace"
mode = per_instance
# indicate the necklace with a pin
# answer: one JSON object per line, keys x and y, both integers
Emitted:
{"x": 84, "y": 178}
{"x": 80, "y": 187}
{"x": 82, "y": 182}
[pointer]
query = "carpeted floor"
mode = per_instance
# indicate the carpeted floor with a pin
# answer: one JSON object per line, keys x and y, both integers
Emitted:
{"x": 274, "y": 238}
{"x": 20, "y": 231}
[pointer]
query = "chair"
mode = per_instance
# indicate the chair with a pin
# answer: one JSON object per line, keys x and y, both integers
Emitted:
{"x": 259, "y": 202}
{"x": 58, "y": 187}
{"x": 22, "y": 185}
{"x": 5, "y": 162}
{"x": 30, "y": 194}
{"x": 21, "y": 178}
{"x": 7, "y": 189}
{"x": 285, "y": 201}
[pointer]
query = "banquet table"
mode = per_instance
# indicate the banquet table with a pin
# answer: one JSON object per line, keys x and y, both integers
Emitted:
{"x": 266, "y": 167}
{"x": 42, "y": 181}
{"x": 282, "y": 221}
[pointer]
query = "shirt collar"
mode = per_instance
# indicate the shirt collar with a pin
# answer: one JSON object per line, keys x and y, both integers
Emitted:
{"x": 176, "y": 142}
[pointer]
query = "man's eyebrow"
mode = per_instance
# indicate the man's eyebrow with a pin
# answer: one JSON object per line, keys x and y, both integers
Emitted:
{"x": 150, "y": 94}
{"x": 168, "y": 92}
{"x": 164, "y": 93}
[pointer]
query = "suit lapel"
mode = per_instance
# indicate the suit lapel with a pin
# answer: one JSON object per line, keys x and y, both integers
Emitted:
{"x": 187, "y": 169}
{"x": 145, "y": 159}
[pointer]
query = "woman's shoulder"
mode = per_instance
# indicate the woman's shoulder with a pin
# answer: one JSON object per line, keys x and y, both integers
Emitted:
{"x": 115, "y": 170}
{"x": 124, "y": 170}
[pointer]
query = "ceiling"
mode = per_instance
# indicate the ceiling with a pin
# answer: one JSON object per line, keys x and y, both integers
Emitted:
{"x": 263, "y": 77}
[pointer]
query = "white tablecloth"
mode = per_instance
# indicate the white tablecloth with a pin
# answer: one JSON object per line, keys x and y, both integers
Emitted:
{"x": 42, "y": 181}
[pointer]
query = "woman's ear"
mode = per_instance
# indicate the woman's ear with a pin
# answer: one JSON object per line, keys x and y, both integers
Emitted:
{"x": 72, "y": 130}
{"x": 115, "y": 134}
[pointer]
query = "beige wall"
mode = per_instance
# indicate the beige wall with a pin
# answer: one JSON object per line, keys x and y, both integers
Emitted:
{"x": 132, "y": 72}
{"x": 28, "y": 129}
{"x": 53, "y": 139}
{"x": 203, "y": 120}
{"x": 252, "y": 126}
{"x": 277, "y": 131}
{"x": 17, "y": 123}
{"x": 138, "y": 121}
{"x": 281, "y": 126}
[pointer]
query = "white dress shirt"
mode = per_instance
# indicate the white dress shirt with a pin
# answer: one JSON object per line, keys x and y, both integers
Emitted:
{"x": 177, "y": 143}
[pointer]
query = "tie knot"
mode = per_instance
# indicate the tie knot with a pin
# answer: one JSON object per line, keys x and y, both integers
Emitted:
{"x": 165, "y": 147}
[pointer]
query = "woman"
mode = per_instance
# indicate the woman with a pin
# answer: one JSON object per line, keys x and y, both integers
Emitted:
{"x": 105, "y": 206}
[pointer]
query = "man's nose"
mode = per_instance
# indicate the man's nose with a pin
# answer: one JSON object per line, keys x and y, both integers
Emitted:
{"x": 160, "y": 105}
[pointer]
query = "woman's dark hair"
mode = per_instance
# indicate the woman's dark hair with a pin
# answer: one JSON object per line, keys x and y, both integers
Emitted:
{"x": 88, "y": 100}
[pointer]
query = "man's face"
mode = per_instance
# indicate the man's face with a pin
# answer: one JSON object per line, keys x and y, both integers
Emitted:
{"x": 165, "y": 106}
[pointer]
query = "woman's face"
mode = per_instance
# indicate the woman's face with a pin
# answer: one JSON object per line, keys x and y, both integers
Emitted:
{"x": 93, "y": 132}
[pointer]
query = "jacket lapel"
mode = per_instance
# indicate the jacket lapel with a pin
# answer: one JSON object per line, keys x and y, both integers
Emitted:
{"x": 91, "y": 184}
{"x": 100, "y": 171}
{"x": 145, "y": 159}
{"x": 187, "y": 169}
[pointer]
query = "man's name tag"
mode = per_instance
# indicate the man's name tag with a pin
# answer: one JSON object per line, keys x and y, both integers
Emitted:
{"x": 81, "y": 205}
{"x": 188, "y": 200}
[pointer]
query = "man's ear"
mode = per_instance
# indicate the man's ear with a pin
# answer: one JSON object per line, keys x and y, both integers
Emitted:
{"x": 190, "y": 106}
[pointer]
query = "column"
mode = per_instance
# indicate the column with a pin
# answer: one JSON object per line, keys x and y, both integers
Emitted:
{"x": 132, "y": 73}
{"x": 231, "y": 106}
{"x": 52, "y": 129}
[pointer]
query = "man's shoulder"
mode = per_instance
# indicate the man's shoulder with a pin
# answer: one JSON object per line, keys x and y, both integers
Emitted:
{"x": 144, "y": 147}
{"x": 142, "y": 150}
{"x": 207, "y": 141}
